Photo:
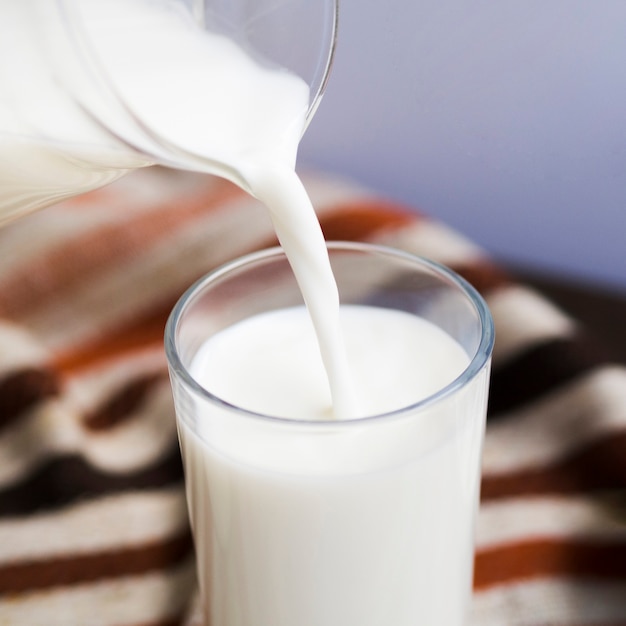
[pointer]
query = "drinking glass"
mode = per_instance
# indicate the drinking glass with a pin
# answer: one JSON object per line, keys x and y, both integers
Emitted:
{"x": 362, "y": 522}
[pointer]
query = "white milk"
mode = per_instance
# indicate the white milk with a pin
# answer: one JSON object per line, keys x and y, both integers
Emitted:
{"x": 49, "y": 149}
{"x": 270, "y": 363}
{"x": 335, "y": 523}
{"x": 68, "y": 97}
{"x": 215, "y": 108}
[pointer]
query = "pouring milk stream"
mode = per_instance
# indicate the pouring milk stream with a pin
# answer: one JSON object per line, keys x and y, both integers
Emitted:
{"x": 177, "y": 94}
{"x": 150, "y": 84}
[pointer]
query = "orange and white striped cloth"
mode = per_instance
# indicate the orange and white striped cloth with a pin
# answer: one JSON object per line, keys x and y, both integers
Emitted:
{"x": 93, "y": 525}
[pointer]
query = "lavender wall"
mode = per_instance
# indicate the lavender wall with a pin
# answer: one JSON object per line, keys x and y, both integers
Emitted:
{"x": 504, "y": 118}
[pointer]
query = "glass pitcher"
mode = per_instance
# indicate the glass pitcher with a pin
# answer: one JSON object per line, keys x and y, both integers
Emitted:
{"x": 70, "y": 72}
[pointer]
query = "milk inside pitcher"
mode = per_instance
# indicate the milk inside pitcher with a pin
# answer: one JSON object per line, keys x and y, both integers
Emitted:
{"x": 92, "y": 89}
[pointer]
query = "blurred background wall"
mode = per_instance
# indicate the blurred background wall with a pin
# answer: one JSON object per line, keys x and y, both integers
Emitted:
{"x": 504, "y": 118}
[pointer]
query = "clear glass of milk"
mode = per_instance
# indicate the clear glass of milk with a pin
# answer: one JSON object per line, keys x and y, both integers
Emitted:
{"x": 301, "y": 518}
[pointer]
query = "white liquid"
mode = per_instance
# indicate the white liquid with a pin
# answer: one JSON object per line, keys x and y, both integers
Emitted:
{"x": 342, "y": 524}
{"x": 269, "y": 363}
{"x": 68, "y": 94}
{"x": 219, "y": 110}
{"x": 49, "y": 150}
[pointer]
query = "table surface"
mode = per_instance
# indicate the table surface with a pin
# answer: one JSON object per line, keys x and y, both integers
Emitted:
{"x": 602, "y": 310}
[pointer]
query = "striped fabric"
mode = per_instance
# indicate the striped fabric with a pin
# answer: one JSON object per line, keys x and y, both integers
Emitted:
{"x": 93, "y": 526}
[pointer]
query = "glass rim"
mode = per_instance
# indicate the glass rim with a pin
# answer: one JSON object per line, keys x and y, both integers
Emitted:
{"x": 478, "y": 361}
